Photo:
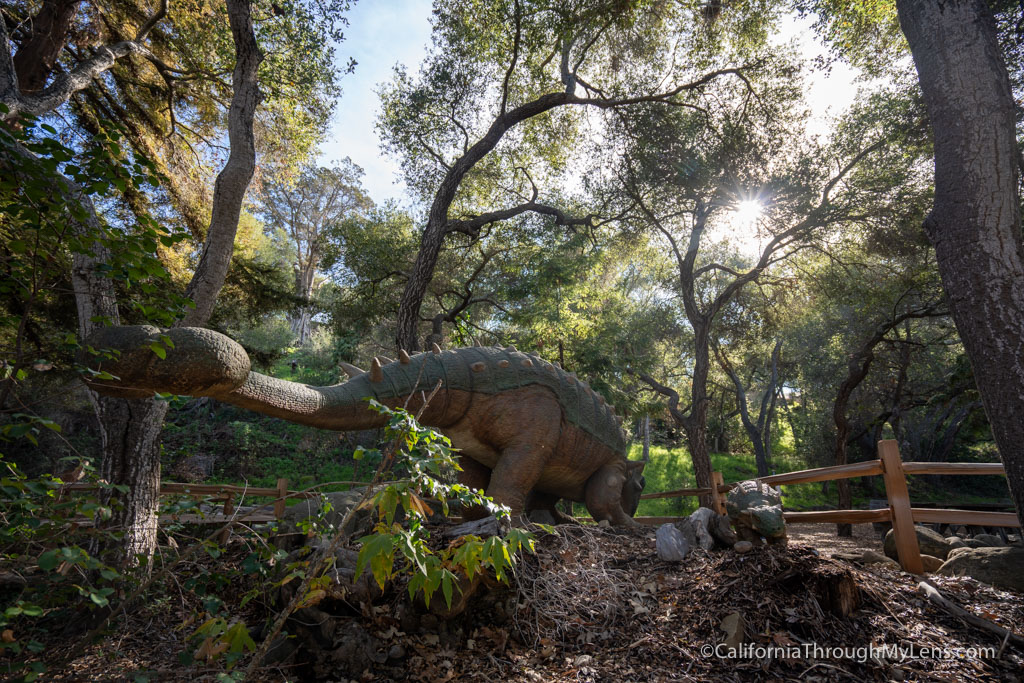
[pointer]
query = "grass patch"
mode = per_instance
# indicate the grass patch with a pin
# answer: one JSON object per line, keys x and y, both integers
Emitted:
{"x": 671, "y": 468}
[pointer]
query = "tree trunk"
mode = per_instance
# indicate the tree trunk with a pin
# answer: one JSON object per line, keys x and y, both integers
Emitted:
{"x": 975, "y": 224}
{"x": 645, "y": 427}
{"x": 697, "y": 426}
{"x": 38, "y": 54}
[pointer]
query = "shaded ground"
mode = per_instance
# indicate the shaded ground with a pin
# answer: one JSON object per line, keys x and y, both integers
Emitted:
{"x": 823, "y": 537}
{"x": 596, "y": 605}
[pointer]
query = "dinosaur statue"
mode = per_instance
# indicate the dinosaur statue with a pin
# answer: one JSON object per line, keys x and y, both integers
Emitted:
{"x": 755, "y": 510}
{"x": 529, "y": 433}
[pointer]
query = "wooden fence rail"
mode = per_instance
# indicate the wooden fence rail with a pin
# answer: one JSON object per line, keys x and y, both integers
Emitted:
{"x": 899, "y": 512}
{"x": 228, "y": 492}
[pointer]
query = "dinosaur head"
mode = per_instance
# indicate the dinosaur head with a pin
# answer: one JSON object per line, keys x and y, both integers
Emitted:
{"x": 633, "y": 487}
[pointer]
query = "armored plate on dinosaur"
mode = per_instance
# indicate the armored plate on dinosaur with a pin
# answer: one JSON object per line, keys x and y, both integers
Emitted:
{"x": 493, "y": 370}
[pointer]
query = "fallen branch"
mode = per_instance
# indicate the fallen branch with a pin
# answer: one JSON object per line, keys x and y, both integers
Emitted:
{"x": 937, "y": 598}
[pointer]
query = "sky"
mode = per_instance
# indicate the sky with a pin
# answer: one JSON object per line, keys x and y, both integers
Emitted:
{"x": 383, "y": 33}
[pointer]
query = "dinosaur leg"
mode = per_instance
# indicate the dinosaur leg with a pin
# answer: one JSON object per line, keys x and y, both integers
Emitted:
{"x": 548, "y": 501}
{"x": 515, "y": 475}
{"x": 475, "y": 476}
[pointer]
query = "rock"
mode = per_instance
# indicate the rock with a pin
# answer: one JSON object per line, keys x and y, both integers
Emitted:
{"x": 280, "y": 650}
{"x": 733, "y": 625}
{"x": 604, "y": 523}
{"x": 955, "y": 542}
{"x": 931, "y": 543}
{"x": 957, "y": 551}
{"x": 671, "y": 544}
{"x": 743, "y": 546}
{"x": 341, "y": 502}
{"x": 975, "y": 543}
{"x": 396, "y": 652}
{"x": 999, "y": 567}
{"x": 875, "y": 557}
{"x": 721, "y": 531}
{"x": 930, "y": 563}
{"x": 357, "y": 650}
{"x": 700, "y": 519}
{"x": 685, "y": 526}
{"x": 990, "y": 540}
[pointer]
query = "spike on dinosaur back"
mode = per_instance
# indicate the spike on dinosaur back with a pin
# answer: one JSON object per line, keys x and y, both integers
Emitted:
{"x": 436, "y": 349}
{"x": 350, "y": 370}
{"x": 478, "y": 367}
{"x": 510, "y": 349}
{"x": 403, "y": 357}
{"x": 376, "y": 374}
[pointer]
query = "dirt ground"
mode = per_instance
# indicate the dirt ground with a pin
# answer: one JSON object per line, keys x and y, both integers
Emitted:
{"x": 823, "y": 538}
{"x": 597, "y": 605}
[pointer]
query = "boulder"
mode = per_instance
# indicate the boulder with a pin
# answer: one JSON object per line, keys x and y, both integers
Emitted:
{"x": 671, "y": 544}
{"x": 743, "y": 547}
{"x": 955, "y": 542}
{"x": 931, "y": 543}
{"x": 311, "y": 508}
{"x": 721, "y": 531}
{"x": 930, "y": 563}
{"x": 686, "y": 528}
{"x": 875, "y": 557}
{"x": 999, "y": 567}
{"x": 700, "y": 518}
{"x": 990, "y": 540}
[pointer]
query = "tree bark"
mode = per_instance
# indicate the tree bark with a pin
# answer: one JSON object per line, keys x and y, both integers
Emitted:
{"x": 130, "y": 428}
{"x": 975, "y": 224}
{"x": 37, "y": 56}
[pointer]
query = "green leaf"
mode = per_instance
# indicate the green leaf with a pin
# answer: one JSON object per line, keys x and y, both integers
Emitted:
{"x": 48, "y": 561}
{"x": 158, "y": 350}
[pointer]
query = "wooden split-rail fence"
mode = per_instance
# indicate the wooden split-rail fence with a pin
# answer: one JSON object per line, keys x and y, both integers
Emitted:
{"x": 899, "y": 512}
{"x": 894, "y": 473}
{"x": 229, "y": 493}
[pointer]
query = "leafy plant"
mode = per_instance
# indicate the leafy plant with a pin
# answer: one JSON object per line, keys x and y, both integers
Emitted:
{"x": 426, "y": 455}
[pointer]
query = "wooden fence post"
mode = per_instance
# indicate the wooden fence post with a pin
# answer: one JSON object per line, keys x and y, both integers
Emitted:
{"x": 279, "y": 504}
{"x": 717, "y": 497}
{"x": 229, "y": 507}
{"x": 896, "y": 491}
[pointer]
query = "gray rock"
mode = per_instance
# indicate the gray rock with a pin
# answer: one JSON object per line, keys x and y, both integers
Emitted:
{"x": 396, "y": 652}
{"x": 280, "y": 650}
{"x": 955, "y": 542}
{"x": 721, "y": 531}
{"x": 990, "y": 540}
{"x": 310, "y": 509}
{"x": 685, "y": 527}
{"x": 875, "y": 557}
{"x": 999, "y": 567}
{"x": 701, "y": 518}
{"x": 931, "y": 543}
{"x": 975, "y": 543}
{"x": 931, "y": 564}
{"x": 743, "y": 547}
{"x": 671, "y": 544}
